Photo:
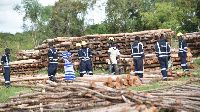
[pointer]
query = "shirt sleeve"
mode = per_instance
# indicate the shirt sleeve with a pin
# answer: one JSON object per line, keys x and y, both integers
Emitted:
{"x": 90, "y": 53}
{"x": 141, "y": 49}
{"x": 50, "y": 55}
{"x": 69, "y": 54}
{"x": 131, "y": 50}
{"x": 156, "y": 49}
{"x": 168, "y": 50}
{"x": 3, "y": 60}
{"x": 180, "y": 48}
{"x": 118, "y": 53}
{"x": 109, "y": 50}
{"x": 64, "y": 56}
{"x": 185, "y": 46}
{"x": 80, "y": 54}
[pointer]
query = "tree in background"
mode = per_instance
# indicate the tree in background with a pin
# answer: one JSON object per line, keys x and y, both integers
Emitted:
{"x": 123, "y": 16}
{"x": 137, "y": 15}
{"x": 36, "y": 17}
{"x": 67, "y": 18}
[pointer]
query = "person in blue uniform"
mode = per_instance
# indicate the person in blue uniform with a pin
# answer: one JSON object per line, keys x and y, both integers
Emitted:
{"x": 138, "y": 56}
{"x": 163, "y": 53}
{"x": 68, "y": 67}
{"x": 183, "y": 52}
{"x": 6, "y": 67}
{"x": 53, "y": 62}
{"x": 85, "y": 55}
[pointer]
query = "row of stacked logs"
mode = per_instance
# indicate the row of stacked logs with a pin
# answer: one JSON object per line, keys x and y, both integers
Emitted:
{"x": 193, "y": 42}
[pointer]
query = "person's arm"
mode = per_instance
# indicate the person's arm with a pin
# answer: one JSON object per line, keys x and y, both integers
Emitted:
{"x": 69, "y": 57}
{"x": 132, "y": 50}
{"x": 142, "y": 51}
{"x": 2, "y": 63}
{"x": 156, "y": 50}
{"x": 80, "y": 57}
{"x": 118, "y": 57}
{"x": 109, "y": 53}
{"x": 169, "y": 52}
{"x": 50, "y": 55}
{"x": 185, "y": 46}
{"x": 180, "y": 49}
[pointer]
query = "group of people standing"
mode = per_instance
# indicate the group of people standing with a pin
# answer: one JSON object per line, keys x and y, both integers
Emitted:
{"x": 162, "y": 50}
{"x": 85, "y": 55}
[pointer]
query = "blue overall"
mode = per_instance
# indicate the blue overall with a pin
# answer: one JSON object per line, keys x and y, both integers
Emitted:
{"x": 5, "y": 61}
{"x": 163, "y": 53}
{"x": 53, "y": 62}
{"x": 183, "y": 54}
{"x": 138, "y": 54}
{"x": 85, "y": 56}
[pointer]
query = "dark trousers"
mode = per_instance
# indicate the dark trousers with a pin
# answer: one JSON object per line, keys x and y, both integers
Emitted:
{"x": 184, "y": 63}
{"x": 164, "y": 66}
{"x": 7, "y": 75}
{"x": 86, "y": 66}
{"x": 113, "y": 66}
{"x": 138, "y": 63}
{"x": 52, "y": 69}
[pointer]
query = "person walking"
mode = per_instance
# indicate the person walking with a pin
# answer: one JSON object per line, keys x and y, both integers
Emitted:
{"x": 183, "y": 52}
{"x": 163, "y": 53}
{"x": 138, "y": 56}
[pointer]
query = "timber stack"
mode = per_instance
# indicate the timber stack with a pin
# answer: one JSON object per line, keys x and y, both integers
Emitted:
{"x": 88, "y": 96}
{"x": 193, "y": 42}
{"x": 99, "y": 46}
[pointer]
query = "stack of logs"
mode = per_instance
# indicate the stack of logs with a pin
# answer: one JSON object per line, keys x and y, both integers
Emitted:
{"x": 193, "y": 41}
{"x": 99, "y": 45}
{"x": 180, "y": 97}
{"x": 88, "y": 96}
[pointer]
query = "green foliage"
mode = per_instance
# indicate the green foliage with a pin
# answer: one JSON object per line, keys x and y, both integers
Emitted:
{"x": 35, "y": 19}
{"x": 15, "y": 42}
{"x": 67, "y": 18}
{"x": 197, "y": 62}
{"x": 135, "y": 15}
{"x": 12, "y": 91}
{"x": 97, "y": 29}
{"x": 142, "y": 88}
{"x": 122, "y": 16}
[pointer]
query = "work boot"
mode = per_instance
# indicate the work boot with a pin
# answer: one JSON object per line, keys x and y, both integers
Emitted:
{"x": 165, "y": 79}
{"x": 7, "y": 85}
{"x": 54, "y": 79}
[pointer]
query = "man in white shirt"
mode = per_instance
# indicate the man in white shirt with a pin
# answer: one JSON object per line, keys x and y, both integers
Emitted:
{"x": 113, "y": 52}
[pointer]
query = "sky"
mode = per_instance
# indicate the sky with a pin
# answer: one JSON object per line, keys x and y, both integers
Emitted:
{"x": 11, "y": 21}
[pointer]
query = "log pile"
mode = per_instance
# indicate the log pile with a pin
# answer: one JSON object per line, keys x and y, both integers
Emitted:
{"x": 99, "y": 45}
{"x": 113, "y": 81}
{"x": 89, "y": 96}
{"x": 193, "y": 42}
{"x": 25, "y": 67}
{"x": 76, "y": 96}
{"x": 184, "y": 97}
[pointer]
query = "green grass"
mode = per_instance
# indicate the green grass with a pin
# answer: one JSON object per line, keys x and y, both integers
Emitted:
{"x": 11, "y": 91}
{"x": 142, "y": 88}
